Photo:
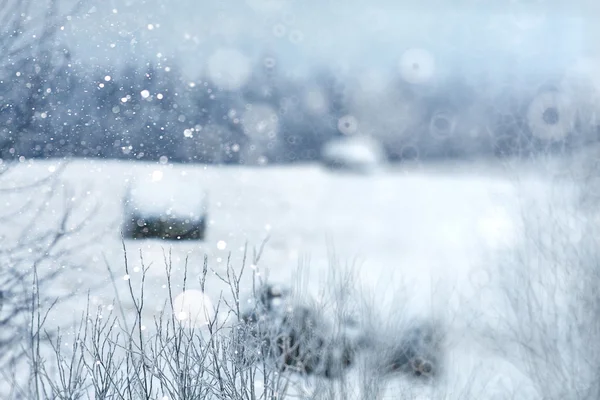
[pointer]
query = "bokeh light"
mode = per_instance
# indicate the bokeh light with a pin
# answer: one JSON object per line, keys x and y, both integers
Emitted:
{"x": 229, "y": 69}
{"x": 260, "y": 122}
{"x": 551, "y": 116}
{"x": 193, "y": 307}
{"x": 417, "y": 66}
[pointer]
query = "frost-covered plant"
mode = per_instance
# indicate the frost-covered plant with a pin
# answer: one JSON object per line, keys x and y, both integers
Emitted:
{"x": 546, "y": 313}
{"x": 119, "y": 353}
{"x": 38, "y": 225}
{"x": 37, "y": 250}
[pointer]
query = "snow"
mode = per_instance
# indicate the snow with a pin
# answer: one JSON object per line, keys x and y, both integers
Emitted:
{"x": 405, "y": 221}
{"x": 164, "y": 192}
{"x": 353, "y": 153}
{"x": 415, "y": 238}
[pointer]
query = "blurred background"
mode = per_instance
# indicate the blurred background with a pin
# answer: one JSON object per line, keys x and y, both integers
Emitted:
{"x": 272, "y": 81}
{"x": 127, "y": 126}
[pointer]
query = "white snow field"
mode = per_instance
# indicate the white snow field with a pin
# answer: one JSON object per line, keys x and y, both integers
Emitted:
{"x": 417, "y": 237}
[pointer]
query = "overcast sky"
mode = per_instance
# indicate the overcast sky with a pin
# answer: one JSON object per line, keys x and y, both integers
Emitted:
{"x": 353, "y": 35}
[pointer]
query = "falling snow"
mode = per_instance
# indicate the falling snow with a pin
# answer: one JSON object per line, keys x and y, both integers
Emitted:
{"x": 416, "y": 146}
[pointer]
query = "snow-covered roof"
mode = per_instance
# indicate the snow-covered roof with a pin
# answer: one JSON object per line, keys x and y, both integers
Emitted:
{"x": 358, "y": 152}
{"x": 167, "y": 193}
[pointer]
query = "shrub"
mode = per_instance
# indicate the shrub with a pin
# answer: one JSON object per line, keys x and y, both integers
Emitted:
{"x": 544, "y": 319}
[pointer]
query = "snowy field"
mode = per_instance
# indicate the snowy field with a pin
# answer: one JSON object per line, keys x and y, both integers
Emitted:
{"x": 416, "y": 237}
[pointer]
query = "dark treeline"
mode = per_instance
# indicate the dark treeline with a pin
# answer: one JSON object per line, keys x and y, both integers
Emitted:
{"x": 152, "y": 112}
{"x": 54, "y": 106}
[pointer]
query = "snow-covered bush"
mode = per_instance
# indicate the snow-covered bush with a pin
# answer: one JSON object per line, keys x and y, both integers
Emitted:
{"x": 418, "y": 351}
{"x": 358, "y": 154}
{"x": 165, "y": 206}
{"x": 131, "y": 354}
{"x": 544, "y": 315}
{"x": 297, "y": 337}
{"x": 42, "y": 229}
{"x": 300, "y": 338}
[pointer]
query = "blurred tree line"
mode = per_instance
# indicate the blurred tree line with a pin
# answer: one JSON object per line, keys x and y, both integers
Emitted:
{"x": 73, "y": 110}
{"x": 53, "y": 106}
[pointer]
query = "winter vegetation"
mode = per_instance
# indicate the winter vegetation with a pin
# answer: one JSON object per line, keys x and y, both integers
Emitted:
{"x": 227, "y": 324}
{"x": 32, "y": 253}
{"x": 465, "y": 257}
{"x": 265, "y": 350}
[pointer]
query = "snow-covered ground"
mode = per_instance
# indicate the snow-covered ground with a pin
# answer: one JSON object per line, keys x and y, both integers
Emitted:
{"x": 417, "y": 237}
